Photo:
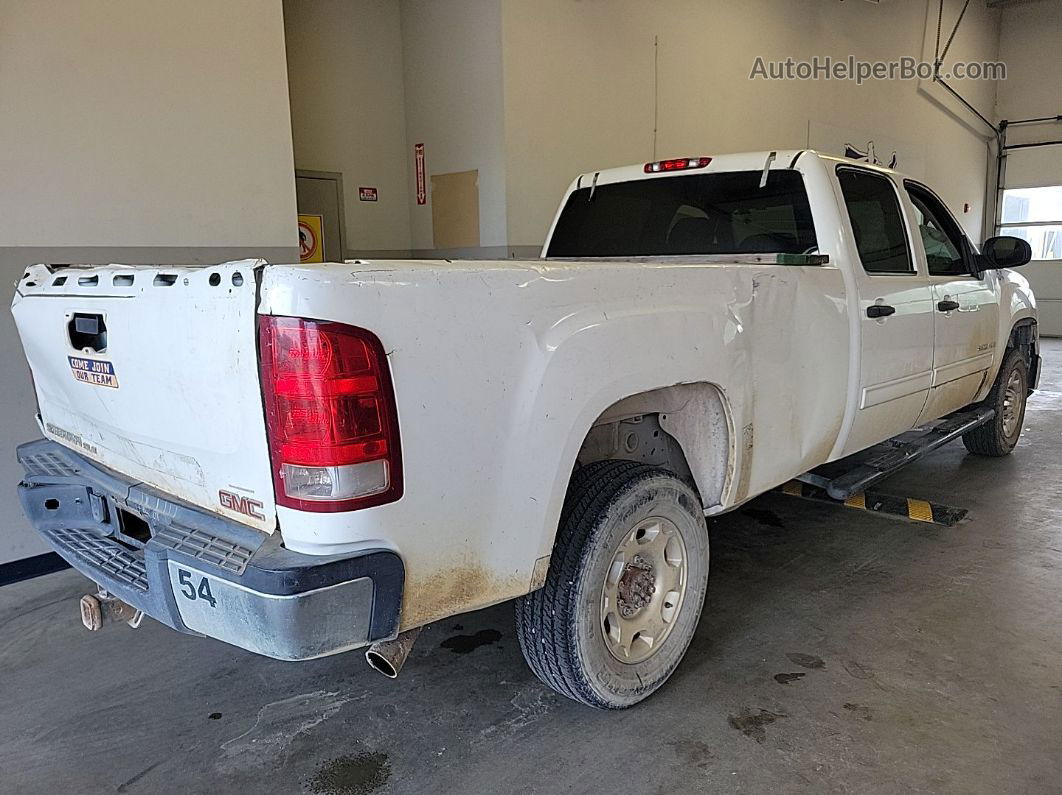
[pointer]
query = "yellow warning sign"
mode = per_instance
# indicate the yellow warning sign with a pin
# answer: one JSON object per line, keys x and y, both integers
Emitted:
{"x": 311, "y": 238}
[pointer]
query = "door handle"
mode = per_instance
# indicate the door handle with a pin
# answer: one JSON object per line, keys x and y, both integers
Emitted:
{"x": 87, "y": 331}
{"x": 947, "y": 305}
{"x": 880, "y": 310}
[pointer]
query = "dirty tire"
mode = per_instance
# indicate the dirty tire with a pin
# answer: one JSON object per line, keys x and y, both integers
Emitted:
{"x": 992, "y": 439}
{"x": 560, "y": 625}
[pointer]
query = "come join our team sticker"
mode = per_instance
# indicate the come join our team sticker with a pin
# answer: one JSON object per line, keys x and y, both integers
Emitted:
{"x": 93, "y": 371}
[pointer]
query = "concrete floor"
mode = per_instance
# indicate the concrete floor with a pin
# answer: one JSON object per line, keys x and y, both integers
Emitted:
{"x": 839, "y": 651}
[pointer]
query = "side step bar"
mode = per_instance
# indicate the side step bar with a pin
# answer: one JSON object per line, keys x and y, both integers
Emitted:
{"x": 882, "y": 460}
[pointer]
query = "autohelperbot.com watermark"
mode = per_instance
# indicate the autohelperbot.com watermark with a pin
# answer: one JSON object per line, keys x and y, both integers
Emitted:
{"x": 826, "y": 67}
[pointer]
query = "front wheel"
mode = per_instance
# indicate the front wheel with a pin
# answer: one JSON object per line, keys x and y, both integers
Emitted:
{"x": 625, "y": 587}
{"x": 998, "y": 436}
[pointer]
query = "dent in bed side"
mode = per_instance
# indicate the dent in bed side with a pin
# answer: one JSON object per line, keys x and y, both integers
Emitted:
{"x": 492, "y": 423}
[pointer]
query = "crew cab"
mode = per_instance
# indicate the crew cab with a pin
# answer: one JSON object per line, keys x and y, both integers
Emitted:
{"x": 303, "y": 459}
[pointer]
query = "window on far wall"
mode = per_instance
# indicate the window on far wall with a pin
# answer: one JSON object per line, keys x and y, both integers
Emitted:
{"x": 1035, "y": 215}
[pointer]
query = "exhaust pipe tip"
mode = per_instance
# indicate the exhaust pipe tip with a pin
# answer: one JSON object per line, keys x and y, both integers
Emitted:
{"x": 389, "y": 656}
{"x": 379, "y": 663}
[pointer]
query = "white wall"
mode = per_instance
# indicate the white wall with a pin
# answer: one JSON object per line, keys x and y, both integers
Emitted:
{"x": 451, "y": 54}
{"x": 133, "y": 130}
{"x": 347, "y": 109}
{"x": 144, "y": 123}
{"x": 1029, "y": 45}
{"x": 579, "y": 90}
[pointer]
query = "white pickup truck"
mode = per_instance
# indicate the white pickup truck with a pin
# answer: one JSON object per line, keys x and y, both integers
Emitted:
{"x": 306, "y": 459}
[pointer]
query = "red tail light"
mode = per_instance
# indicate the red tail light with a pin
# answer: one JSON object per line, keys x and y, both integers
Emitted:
{"x": 678, "y": 164}
{"x": 331, "y": 415}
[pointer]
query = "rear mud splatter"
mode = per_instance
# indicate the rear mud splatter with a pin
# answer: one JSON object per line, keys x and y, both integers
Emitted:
{"x": 449, "y": 591}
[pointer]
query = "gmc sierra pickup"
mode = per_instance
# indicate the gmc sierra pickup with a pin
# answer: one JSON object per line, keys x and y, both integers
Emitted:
{"x": 305, "y": 459}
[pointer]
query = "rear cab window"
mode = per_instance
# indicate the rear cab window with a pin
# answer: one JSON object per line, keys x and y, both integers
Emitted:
{"x": 696, "y": 214}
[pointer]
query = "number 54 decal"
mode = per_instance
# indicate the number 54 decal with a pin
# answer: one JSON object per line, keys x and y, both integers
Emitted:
{"x": 191, "y": 591}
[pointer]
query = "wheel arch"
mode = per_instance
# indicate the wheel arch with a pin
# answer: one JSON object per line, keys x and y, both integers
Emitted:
{"x": 1025, "y": 337}
{"x": 684, "y": 427}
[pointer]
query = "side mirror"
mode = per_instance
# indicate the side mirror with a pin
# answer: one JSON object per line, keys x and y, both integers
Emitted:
{"x": 1005, "y": 252}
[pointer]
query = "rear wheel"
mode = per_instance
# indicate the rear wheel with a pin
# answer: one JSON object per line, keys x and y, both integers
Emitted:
{"x": 998, "y": 436}
{"x": 625, "y": 587}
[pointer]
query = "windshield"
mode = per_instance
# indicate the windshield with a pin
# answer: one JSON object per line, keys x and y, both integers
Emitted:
{"x": 724, "y": 213}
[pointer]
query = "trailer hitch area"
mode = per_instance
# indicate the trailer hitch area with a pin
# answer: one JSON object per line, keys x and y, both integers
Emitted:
{"x": 100, "y": 609}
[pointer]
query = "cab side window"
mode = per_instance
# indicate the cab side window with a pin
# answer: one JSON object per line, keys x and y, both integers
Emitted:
{"x": 941, "y": 236}
{"x": 877, "y": 221}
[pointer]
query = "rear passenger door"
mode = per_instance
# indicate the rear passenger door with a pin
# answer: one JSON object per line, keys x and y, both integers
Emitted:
{"x": 966, "y": 316}
{"x": 895, "y": 310}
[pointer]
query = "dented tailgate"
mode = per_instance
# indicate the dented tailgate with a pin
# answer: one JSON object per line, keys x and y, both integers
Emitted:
{"x": 153, "y": 372}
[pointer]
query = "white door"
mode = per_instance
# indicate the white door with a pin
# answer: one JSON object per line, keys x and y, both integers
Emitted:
{"x": 967, "y": 307}
{"x": 895, "y": 310}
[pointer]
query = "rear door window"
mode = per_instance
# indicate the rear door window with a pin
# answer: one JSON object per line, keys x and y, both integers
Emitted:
{"x": 877, "y": 221}
{"x": 724, "y": 213}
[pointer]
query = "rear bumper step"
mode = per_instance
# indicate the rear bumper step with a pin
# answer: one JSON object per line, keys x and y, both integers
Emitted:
{"x": 201, "y": 574}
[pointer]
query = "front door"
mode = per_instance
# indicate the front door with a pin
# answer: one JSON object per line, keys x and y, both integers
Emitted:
{"x": 966, "y": 312}
{"x": 895, "y": 311}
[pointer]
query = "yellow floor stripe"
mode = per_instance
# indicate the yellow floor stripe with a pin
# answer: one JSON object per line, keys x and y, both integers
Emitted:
{"x": 858, "y": 501}
{"x": 920, "y": 510}
{"x": 794, "y": 488}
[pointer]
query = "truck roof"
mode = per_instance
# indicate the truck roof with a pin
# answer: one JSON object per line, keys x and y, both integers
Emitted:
{"x": 738, "y": 161}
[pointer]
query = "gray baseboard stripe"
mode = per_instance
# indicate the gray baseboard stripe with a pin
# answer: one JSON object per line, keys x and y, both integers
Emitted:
{"x": 27, "y": 568}
{"x": 21, "y": 256}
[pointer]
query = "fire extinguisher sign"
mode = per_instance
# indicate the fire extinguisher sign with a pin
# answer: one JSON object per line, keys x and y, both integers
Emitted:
{"x": 418, "y": 159}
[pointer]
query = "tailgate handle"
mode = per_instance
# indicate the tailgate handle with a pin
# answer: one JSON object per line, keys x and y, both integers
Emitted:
{"x": 88, "y": 331}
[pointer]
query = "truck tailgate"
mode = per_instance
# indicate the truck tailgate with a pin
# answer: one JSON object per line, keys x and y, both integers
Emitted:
{"x": 153, "y": 372}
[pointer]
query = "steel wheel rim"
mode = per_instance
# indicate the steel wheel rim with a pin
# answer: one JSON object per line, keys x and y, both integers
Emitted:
{"x": 1012, "y": 404}
{"x": 644, "y": 588}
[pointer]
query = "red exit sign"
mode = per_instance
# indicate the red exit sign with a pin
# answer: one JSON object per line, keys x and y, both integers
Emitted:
{"x": 367, "y": 194}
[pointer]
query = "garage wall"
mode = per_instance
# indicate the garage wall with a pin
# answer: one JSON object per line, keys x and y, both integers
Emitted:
{"x": 144, "y": 123}
{"x": 1029, "y": 45}
{"x": 347, "y": 110}
{"x": 451, "y": 53}
{"x": 581, "y": 88}
{"x": 133, "y": 131}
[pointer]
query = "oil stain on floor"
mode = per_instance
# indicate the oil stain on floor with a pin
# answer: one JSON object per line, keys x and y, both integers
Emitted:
{"x": 754, "y": 725}
{"x": 464, "y": 644}
{"x": 764, "y": 517}
{"x": 806, "y": 660}
{"x": 358, "y": 774}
